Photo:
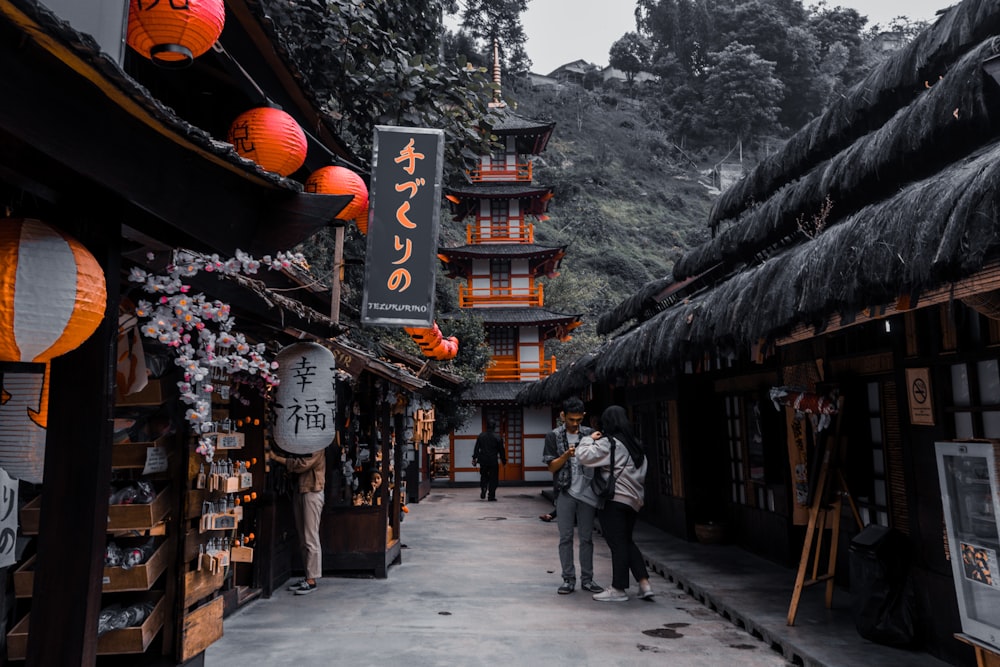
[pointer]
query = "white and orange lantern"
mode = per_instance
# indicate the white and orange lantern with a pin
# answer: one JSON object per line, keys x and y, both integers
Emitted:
{"x": 305, "y": 401}
{"x": 53, "y": 296}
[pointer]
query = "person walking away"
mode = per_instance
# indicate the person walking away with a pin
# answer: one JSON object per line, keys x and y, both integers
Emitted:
{"x": 307, "y": 507}
{"x": 573, "y": 505}
{"x": 489, "y": 447}
{"x": 619, "y": 514}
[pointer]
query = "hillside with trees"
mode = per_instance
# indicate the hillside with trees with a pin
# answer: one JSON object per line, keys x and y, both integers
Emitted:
{"x": 633, "y": 165}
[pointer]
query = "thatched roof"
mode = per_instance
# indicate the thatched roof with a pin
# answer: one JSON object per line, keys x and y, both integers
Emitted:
{"x": 893, "y": 84}
{"x": 956, "y": 115}
{"x": 894, "y": 191}
{"x": 932, "y": 232}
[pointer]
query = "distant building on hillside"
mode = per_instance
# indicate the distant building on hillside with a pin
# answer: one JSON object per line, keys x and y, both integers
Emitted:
{"x": 610, "y": 73}
{"x": 542, "y": 81}
{"x": 574, "y": 72}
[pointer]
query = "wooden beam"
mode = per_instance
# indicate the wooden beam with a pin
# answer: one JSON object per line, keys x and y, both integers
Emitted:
{"x": 74, "y": 123}
{"x": 74, "y": 511}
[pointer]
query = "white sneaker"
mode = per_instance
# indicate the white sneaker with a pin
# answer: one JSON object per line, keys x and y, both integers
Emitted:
{"x": 611, "y": 595}
{"x": 646, "y": 593}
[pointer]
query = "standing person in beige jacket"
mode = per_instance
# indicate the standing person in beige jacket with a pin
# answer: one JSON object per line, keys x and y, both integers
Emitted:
{"x": 307, "y": 506}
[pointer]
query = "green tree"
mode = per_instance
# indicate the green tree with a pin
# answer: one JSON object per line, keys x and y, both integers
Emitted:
{"x": 376, "y": 63}
{"x": 499, "y": 21}
{"x": 630, "y": 54}
{"x": 742, "y": 93}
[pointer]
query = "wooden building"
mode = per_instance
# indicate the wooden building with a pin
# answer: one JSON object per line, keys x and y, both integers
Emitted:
{"x": 860, "y": 261}
{"x": 501, "y": 265}
{"x": 134, "y": 161}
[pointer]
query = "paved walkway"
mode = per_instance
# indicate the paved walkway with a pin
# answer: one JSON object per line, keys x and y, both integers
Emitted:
{"x": 477, "y": 583}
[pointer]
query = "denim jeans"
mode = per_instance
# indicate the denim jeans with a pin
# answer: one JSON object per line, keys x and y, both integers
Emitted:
{"x": 570, "y": 511}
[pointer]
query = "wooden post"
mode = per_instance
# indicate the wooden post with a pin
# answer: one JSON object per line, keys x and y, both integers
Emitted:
{"x": 72, "y": 535}
{"x": 337, "y": 273}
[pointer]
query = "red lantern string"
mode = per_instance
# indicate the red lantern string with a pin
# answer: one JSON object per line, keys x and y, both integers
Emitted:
{"x": 333, "y": 180}
{"x": 271, "y": 138}
{"x": 173, "y": 34}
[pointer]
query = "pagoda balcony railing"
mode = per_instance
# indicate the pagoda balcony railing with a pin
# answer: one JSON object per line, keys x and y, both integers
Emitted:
{"x": 518, "y": 232}
{"x": 508, "y": 370}
{"x": 469, "y": 297}
{"x": 520, "y": 172}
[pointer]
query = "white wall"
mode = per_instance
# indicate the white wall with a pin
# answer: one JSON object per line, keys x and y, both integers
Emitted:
{"x": 537, "y": 422}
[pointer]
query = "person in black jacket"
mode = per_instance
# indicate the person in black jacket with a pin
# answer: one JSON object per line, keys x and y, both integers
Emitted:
{"x": 489, "y": 447}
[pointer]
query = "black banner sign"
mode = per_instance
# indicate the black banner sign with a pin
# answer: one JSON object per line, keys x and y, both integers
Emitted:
{"x": 403, "y": 227}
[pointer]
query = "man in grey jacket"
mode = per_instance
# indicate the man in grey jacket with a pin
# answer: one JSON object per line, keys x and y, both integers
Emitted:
{"x": 575, "y": 502}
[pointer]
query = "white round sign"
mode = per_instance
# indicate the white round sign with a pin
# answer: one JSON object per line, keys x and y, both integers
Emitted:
{"x": 305, "y": 403}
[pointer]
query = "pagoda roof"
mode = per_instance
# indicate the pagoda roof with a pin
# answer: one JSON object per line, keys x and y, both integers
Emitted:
{"x": 493, "y": 392}
{"x": 464, "y": 200}
{"x": 505, "y": 250}
{"x": 532, "y": 135}
{"x": 499, "y": 190}
{"x": 520, "y": 316}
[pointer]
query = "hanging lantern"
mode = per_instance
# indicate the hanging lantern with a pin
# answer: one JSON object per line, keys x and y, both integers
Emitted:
{"x": 172, "y": 33}
{"x": 305, "y": 401}
{"x": 334, "y": 180}
{"x": 271, "y": 138}
{"x": 52, "y": 298}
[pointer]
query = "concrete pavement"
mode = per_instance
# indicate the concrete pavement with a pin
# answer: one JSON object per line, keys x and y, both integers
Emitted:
{"x": 477, "y": 586}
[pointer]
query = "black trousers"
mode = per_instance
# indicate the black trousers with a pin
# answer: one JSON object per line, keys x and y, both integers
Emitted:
{"x": 618, "y": 522}
{"x": 489, "y": 478}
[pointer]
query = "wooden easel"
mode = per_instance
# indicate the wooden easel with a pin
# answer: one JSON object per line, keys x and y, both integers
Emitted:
{"x": 822, "y": 517}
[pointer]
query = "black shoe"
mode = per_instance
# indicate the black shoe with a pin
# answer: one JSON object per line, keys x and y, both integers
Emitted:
{"x": 566, "y": 588}
{"x": 492, "y": 500}
{"x": 482, "y": 494}
{"x": 591, "y": 587}
{"x": 306, "y": 588}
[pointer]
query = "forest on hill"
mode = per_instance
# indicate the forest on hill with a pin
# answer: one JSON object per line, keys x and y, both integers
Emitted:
{"x": 632, "y": 164}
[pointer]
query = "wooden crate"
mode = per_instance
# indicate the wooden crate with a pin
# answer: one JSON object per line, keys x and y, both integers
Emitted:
{"x": 115, "y": 642}
{"x": 137, "y": 639}
{"x": 133, "y": 454}
{"x": 24, "y": 579}
{"x": 155, "y": 392}
{"x": 139, "y": 517}
{"x": 200, "y": 584}
{"x": 17, "y": 640}
{"x": 29, "y": 516}
{"x": 138, "y": 578}
{"x": 201, "y": 628}
{"x": 141, "y": 577}
{"x": 120, "y": 517}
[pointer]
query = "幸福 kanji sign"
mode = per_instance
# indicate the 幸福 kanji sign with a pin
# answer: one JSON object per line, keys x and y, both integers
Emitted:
{"x": 403, "y": 227}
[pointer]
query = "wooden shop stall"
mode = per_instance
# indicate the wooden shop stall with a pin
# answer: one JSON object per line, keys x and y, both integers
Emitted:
{"x": 110, "y": 163}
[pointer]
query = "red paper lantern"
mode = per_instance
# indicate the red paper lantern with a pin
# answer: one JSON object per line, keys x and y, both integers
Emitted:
{"x": 173, "y": 33}
{"x": 341, "y": 181}
{"x": 271, "y": 138}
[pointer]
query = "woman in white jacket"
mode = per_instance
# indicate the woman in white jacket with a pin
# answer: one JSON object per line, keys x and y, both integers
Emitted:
{"x": 618, "y": 516}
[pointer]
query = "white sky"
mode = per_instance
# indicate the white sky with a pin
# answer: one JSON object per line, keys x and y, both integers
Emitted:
{"x": 561, "y": 31}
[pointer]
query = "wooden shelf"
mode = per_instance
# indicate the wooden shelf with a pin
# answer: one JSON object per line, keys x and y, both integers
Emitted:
{"x": 120, "y": 517}
{"x": 133, "y": 454}
{"x": 115, "y": 642}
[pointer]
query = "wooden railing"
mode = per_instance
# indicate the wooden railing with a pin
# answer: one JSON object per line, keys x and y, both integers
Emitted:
{"x": 514, "y": 371}
{"x": 510, "y": 232}
{"x": 524, "y": 296}
{"x": 519, "y": 173}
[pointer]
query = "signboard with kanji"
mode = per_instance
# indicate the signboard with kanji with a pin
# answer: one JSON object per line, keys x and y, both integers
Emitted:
{"x": 403, "y": 227}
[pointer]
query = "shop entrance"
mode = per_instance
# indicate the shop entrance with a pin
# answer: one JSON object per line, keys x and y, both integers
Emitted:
{"x": 510, "y": 426}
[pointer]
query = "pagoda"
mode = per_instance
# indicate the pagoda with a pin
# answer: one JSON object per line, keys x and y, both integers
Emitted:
{"x": 500, "y": 266}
